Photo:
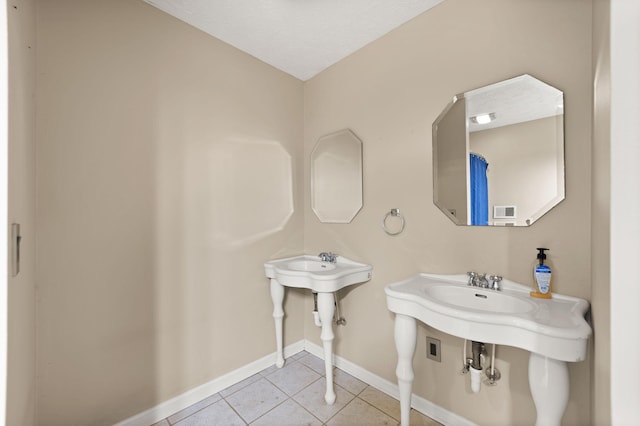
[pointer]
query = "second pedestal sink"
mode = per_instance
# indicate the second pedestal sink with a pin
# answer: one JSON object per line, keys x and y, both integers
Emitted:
{"x": 324, "y": 275}
{"x": 310, "y": 272}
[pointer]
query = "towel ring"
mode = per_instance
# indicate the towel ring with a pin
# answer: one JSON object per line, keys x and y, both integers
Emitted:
{"x": 393, "y": 213}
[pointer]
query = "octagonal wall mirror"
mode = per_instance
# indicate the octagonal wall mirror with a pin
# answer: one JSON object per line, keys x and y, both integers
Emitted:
{"x": 498, "y": 154}
{"x": 336, "y": 177}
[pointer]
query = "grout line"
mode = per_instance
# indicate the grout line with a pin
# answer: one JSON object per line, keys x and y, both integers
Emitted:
{"x": 345, "y": 405}
{"x": 382, "y": 411}
{"x": 262, "y": 415}
{"x": 208, "y": 405}
{"x": 234, "y": 410}
{"x": 291, "y": 397}
{"x": 305, "y": 408}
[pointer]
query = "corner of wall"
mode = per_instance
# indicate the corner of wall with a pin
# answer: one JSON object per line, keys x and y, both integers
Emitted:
{"x": 601, "y": 217}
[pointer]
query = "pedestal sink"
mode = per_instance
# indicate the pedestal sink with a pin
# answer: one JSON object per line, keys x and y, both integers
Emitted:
{"x": 553, "y": 330}
{"x": 323, "y": 278}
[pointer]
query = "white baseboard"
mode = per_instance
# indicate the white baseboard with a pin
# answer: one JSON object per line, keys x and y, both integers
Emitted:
{"x": 201, "y": 392}
{"x": 418, "y": 403}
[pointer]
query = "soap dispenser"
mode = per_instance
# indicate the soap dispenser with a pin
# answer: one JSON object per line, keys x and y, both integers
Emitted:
{"x": 542, "y": 276}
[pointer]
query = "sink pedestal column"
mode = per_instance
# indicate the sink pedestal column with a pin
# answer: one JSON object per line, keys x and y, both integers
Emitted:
{"x": 277, "y": 297}
{"x": 549, "y": 384}
{"x": 326, "y": 309}
{"x": 405, "y": 337}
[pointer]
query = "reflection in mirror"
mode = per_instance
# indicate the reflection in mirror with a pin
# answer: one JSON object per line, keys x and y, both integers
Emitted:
{"x": 336, "y": 177}
{"x": 498, "y": 154}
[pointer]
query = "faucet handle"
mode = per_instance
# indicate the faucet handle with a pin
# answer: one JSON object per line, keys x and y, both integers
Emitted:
{"x": 495, "y": 281}
{"x": 472, "y": 278}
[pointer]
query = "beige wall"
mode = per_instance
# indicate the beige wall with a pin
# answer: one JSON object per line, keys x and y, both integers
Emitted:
{"x": 601, "y": 216}
{"x": 389, "y": 93}
{"x": 21, "y": 387}
{"x": 169, "y": 170}
{"x": 453, "y": 167}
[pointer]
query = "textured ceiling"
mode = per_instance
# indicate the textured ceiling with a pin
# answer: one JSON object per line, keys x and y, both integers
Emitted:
{"x": 299, "y": 37}
{"x": 517, "y": 100}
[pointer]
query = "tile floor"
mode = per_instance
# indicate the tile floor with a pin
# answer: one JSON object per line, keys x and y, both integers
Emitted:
{"x": 294, "y": 395}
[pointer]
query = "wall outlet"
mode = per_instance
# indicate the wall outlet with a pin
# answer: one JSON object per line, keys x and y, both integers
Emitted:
{"x": 433, "y": 349}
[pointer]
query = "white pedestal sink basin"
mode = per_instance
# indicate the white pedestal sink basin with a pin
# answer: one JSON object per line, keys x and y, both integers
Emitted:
{"x": 482, "y": 300}
{"x": 310, "y": 272}
{"x": 323, "y": 278}
{"x": 553, "y": 330}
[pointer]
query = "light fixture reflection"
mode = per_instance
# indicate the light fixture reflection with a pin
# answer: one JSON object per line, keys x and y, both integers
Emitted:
{"x": 483, "y": 118}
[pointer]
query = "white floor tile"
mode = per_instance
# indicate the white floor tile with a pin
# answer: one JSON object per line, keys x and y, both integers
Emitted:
{"x": 312, "y": 398}
{"x": 381, "y": 401}
{"x": 314, "y": 363}
{"x": 294, "y": 396}
{"x": 272, "y": 369}
{"x": 240, "y": 385}
{"x": 289, "y": 413}
{"x": 293, "y": 378}
{"x": 256, "y": 399}
{"x": 299, "y": 355}
{"x": 183, "y": 414}
{"x": 348, "y": 382}
{"x": 218, "y": 413}
{"x": 358, "y": 412}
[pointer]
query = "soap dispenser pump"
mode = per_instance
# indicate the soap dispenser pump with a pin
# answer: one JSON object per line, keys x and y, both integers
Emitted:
{"x": 542, "y": 276}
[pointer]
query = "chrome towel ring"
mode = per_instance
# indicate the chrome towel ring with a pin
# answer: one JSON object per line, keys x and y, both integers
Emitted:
{"x": 393, "y": 213}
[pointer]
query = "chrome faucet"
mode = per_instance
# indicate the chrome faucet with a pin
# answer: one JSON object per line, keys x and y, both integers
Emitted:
{"x": 328, "y": 257}
{"x": 480, "y": 280}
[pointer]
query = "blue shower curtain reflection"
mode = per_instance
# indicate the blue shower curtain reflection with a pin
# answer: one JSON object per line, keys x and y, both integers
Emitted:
{"x": 479, "y": 192}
